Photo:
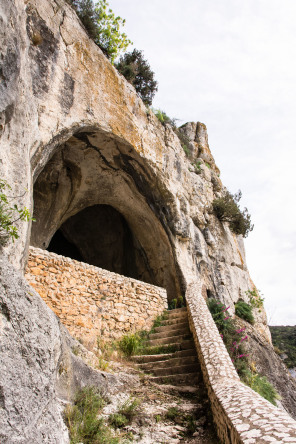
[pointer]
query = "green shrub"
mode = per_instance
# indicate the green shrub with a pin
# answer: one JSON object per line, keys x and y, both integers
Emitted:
{"x": 102, "y": 26}
{"x": 164, "y": 118}
{"x": 226, "y": 208}
{"x": 117, "y": 420}
{"x": 255, "y": 299}
{"x": 10, "y": 213}
{"x": 137, "y": 71}
{"x": 231, "y": 336}
{"x": 83, "y": 422}
{"x": 129, "y": 344}
{"x": 125, "y": 413}
{"x": 244, "y": 311}
{"x": 130, "y": 408}
{"x": 261, "y": 385}
{"x": 173, "y": 413}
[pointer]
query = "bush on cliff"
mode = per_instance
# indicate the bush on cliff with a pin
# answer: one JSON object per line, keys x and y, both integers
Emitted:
{"x": 10, "y": 213}
{"x": 102, "y": 26}
{"x": 226, "y": 208}
{"x": 137, "y": 71}
{"x": 244, "y": 311}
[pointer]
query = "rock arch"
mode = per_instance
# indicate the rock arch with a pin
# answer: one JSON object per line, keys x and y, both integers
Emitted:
{"x": 98, "y": 181}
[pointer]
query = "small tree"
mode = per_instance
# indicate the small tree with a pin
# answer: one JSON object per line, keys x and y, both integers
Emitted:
{"x": 137, "y": 71}
{"x": 102, "y": 26}
{"x": 226, "y": 208}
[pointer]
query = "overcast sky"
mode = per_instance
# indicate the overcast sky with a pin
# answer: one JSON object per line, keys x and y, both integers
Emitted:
{"x": 231, "y": 64}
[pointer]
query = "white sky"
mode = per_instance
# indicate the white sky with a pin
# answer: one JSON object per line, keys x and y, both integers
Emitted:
{"x": 231, "y": 64}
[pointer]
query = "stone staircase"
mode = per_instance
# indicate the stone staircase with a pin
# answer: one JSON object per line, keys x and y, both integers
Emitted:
{"x": 178, "y": 363}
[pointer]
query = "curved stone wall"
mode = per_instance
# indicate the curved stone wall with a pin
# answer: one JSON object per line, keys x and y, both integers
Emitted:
{"x": 240, "y": 414}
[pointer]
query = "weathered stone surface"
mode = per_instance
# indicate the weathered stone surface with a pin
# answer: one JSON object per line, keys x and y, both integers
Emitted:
{"x": 73, "y": 126}
{"x": 38, "y": 371}
{"x": 99, "y": 146}
{"x": 240, "y": 413}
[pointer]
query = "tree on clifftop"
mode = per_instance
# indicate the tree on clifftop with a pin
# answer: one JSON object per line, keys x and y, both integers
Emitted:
{"x": 102, "y": 26}
{"x": 137, "y": 71}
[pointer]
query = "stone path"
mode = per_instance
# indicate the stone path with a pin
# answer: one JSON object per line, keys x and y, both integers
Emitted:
{"x": 176, "y": 391}
{"x": 177, "y": 367}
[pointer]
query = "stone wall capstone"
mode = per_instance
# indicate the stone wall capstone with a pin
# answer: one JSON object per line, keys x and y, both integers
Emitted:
{"x": 90, "y": 301}
{"x": 240, "y": 414}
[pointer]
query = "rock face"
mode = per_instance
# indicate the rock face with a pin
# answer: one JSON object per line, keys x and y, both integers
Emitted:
{"x": 74, "y": 134}
{"x": 80, "y": 131}
{"x": 38, "y": 371}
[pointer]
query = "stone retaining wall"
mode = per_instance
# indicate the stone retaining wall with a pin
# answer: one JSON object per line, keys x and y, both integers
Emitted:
{"x": 92, "y": 302}
{"x": 241, "y": 415}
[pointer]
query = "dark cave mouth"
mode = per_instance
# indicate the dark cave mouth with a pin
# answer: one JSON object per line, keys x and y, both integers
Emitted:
{"x": 99, "y": 235}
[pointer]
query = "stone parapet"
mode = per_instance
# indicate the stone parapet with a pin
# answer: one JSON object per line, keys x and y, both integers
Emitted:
{"x": 240, "y": 414}
{"x": 90, "y": 301}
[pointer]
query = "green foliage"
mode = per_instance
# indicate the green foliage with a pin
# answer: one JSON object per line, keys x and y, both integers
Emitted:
{"x": 232, "y": 337}
{"x": 129, "y": 344}
{"x": 158, "y": 349}
{"x": 186, "y": 150}
{"x": 172, "y": 413}
{"x": 226, "y": 208}
{"x": 255, "y": 299}
{"x": 284, "y": 338}
{"x": 102, "y": 26}
{"x": 261, "y": 385}
{"x": 244, "y": 311}
{"x": 177, "y": 303}
{"x": 137, "y": 71}
{"x": 125, "y": 413}
{"x": 9, "y": 214}
{"x": 83, "y": 422}
{"x": 164, "y": 118}
{"x": 109, "y": 37}
{"x": 233, "y": 341}
{"x": 158, "y": 321}
{"x": 197, "y": 167}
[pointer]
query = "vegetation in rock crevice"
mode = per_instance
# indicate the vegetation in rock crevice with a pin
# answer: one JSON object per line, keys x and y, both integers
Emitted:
{"x": 244, "y": 311}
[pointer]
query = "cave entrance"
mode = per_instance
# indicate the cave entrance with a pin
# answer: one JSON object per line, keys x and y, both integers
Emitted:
{"x": 100, "y": 236}
{"x": 97, "y": 201}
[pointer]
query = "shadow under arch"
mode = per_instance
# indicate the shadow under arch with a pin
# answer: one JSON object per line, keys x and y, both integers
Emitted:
{"x": 96, "y": 187}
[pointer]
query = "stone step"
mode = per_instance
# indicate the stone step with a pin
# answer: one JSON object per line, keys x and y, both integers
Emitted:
{"x": 188, "y": 378}
{"x": 176, "y": 370}
{"x": 177, "y": 310}
{"x": 169, "y": 333}
{"x": 164, "y": 356}
{"x": 170, "y": 327}
{"x": 174, "y": 321}
{"x": 180, "y": 315}
{"x": 167, "y": 363}
{"x": 168, "y": 340}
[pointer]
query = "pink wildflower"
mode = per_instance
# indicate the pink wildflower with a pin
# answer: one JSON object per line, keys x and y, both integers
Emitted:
{"x": 225, "y": 319}
{"x": 243, "y": 339}
{"x": 225, "y": 309}
{"x": 240, "y": 330}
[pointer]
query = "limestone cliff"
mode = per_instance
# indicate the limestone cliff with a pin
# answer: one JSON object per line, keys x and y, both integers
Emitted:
{"x": 75, "y": 134}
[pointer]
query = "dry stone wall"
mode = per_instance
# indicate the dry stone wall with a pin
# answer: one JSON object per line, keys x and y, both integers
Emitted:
{"x": 90, "y": 301}
{"x": 240, "y": 414}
